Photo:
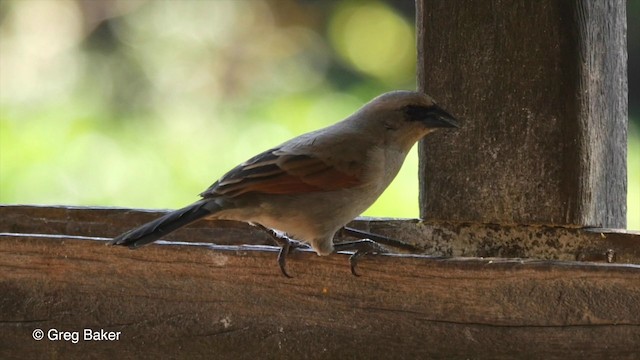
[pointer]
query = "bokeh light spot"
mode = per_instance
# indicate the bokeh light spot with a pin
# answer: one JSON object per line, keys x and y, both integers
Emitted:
{"x": 375, "y": 40}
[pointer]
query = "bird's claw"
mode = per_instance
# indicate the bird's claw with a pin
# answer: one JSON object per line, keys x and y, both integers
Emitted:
{"x": 361, "y": 247}
{"x": 282, "y": 258}
{"x": 286, "y": 246}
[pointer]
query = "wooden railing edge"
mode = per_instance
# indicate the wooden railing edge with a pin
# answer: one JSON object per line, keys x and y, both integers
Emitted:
{"x": 195, "y": 298}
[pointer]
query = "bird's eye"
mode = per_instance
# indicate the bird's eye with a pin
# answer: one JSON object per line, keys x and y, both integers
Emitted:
{"x": 415, "y": 112}
{"x": 390, "y": 125}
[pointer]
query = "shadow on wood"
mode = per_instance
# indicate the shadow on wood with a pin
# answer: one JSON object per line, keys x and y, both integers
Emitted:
{"x": 204, "y": 300}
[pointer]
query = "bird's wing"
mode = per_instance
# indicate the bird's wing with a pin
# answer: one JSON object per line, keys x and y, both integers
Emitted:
{"x": 280, "y": 172}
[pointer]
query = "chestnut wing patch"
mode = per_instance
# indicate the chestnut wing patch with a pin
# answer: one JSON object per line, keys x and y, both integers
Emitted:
{"x": 271, "y": 173}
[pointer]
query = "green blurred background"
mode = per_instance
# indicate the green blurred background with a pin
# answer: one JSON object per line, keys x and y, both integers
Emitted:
{"x": 140, "y": 103}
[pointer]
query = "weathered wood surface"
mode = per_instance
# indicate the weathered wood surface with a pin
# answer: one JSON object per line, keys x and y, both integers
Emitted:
{"x": 109, "y": 222}
{"x": 433, "y": 238}
{"x": 199, "y": 301}
{"x": 541, "y": 89}
{"x": 194, "y": 299}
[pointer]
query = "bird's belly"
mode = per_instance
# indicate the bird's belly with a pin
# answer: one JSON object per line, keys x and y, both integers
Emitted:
{"x": 304, "y": 217}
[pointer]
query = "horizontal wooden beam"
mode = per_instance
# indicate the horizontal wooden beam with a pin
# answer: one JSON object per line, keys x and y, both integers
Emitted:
{"x": 197, "y": 299}
{"x": 433, "y": 238}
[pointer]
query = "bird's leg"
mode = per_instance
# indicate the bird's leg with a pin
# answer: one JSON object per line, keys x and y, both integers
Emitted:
{"x": 361, "y": 247}
{"x": 286, "y": 245}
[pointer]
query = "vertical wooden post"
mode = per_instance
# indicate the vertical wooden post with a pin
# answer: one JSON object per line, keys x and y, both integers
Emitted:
{"x": 541, "y": 89}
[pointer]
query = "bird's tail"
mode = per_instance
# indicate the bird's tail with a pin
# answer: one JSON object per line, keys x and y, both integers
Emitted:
{"x": 164, "y": 225}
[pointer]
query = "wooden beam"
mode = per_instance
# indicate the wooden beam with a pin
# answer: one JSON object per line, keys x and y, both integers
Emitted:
{"x": 541, "y": 88}
{"x": 110, "y": 222}
{"x": 436, "y": 238}
{"x": 189, "y": 297}
{"x": 200, "y": 300}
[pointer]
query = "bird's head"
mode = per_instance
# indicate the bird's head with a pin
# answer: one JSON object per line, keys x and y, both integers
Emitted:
{"x": 404, "y": 117}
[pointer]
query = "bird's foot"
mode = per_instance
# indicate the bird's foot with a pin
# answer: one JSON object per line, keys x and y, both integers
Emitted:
{"x": 361, "y": 247}
{"x": 286, "y": 246}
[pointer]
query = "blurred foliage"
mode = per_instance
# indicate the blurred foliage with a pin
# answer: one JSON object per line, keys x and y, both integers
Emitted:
{"x": 141, "y": 103}
{"x": 145, "y": 103}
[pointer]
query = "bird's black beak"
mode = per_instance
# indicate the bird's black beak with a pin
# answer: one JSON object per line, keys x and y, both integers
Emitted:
{"x": 438, "y": 118}
{"x": 432, "y": 116}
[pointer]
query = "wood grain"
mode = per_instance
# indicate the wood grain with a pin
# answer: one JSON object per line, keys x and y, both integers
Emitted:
{"x": 436, "y": 238}
{"x": 541, "y": 90}
{"x": 191, "y": 298}
{"x": 202, "y": 301}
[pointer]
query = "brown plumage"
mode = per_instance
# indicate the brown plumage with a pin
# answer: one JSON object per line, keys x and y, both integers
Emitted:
{"x": 312, "y": 185}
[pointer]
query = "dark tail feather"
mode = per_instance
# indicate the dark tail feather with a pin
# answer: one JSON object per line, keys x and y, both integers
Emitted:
{"x": 162, "y": 226}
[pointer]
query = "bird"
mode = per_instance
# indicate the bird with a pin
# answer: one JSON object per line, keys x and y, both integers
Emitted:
{"x": 303, "y": 191}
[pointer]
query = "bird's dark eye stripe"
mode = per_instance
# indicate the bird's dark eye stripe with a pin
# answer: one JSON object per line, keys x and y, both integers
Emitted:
{"x": 417, "y": 112}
